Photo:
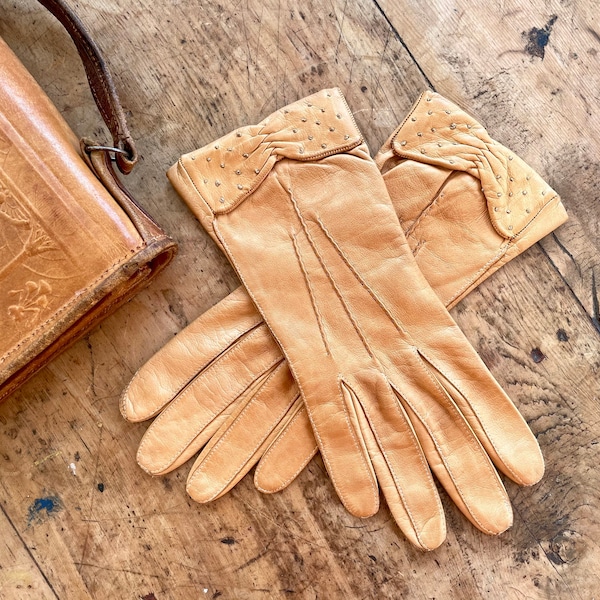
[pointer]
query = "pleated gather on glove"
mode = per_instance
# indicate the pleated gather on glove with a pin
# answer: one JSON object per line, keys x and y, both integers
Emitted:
{"x": 385, "y": 373}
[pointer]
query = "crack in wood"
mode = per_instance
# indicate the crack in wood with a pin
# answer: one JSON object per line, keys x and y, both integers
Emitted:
{"x": 595, "y": 316}
{"x": 595, "y": 304}
{"x": 28, "y": 550}
{"x": 403, "y": 43}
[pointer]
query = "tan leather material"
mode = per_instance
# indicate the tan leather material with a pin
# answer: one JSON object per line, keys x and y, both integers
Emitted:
{"x": 445, "y": 219}
{"x": 373, "y": 357}
{"x": 255, "y": 352}
{"x": 276, "y": 400}
{"x": 304, "y": 132}
{"x": 71, "y": 253}
{"x": 438, "y": 132}
{"x": 434, "y": 197}
{"x": 292, "y": 448}
{"x": 202, "y": 344}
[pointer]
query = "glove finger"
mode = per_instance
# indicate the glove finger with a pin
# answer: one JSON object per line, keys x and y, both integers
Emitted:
{"x": 467, "y": 475}
{"x": 179, "y": 361}
{"x": 344, "y": 451}
{"x": 199, "y": 410}
{"x": 288, "y": 454}
{"x": 402, "y": 471}
{"x": 491, "y": 414}
{"x": 242, "y": 439}
{"x": 452, "y": 449}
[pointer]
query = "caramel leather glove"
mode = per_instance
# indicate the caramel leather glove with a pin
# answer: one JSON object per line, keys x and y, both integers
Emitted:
{"x": 435, "y": 205}
{"x": 445, "y": 217}
{"x": 378, "y": 358}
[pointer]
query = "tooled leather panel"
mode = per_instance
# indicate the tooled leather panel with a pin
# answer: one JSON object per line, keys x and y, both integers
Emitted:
{"x": 61, "y": 233}
{"x": 438, "y": 132}
{"x": 228, "y": 170}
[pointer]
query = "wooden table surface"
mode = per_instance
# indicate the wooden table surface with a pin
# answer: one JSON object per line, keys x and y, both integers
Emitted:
{"x": 79, "y": 519}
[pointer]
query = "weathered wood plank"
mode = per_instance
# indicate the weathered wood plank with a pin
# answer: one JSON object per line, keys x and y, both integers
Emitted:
{"x": 192, "y": 72}
{"x": 20, "y": 575}
{"x": 544, "y": 352}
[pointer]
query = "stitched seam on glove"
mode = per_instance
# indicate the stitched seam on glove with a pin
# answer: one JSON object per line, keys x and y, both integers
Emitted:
{"x": 398, "y": 326}
{"x": 505, "y": 464}
{"x": 475, "y": 147}
{"x": 365, "y": 465}
{"x": 470, "y": 437}
{"x": 173, "y": 407}
{"x": 278, "y": 440}
{"x": 230, "y": 428}
{"x": 236, "y": 337}
{"x": 488, "y": 265}
{"x": 338, "y": 292}
{"x": 399, "y": 488}
{"x": 311, "y": 293}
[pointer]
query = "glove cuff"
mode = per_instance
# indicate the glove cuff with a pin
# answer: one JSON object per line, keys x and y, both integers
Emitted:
{"x": 227, "y": 171}
{"x": 438, "y": 132}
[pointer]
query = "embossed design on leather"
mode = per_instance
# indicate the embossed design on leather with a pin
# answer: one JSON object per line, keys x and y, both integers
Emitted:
{"x": 58, "y": 228}
{"x": 74, "y": 244}
{"x": 32, "y": 300}
{"x": 23, "y": 238}
{"x": 4, "y": 144}
{"x": 26, "y": 248}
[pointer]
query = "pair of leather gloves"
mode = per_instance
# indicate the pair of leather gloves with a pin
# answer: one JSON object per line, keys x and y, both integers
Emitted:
{"x": 340, "y": 339}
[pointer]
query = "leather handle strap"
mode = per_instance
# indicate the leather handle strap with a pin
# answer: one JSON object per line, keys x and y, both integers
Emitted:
{"x": 102, "y": 86}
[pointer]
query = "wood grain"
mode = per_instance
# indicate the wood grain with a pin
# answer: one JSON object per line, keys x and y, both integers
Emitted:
{"x": 81, "y": 520}
{"x": 19, "y": 573}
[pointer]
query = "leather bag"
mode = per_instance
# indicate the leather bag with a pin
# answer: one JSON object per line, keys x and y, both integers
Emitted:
{"x": 74, "y": 244}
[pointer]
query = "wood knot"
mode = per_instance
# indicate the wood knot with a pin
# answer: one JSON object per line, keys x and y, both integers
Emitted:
{"x": 565, "y": 547}
{"x": 537, "y": 355}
